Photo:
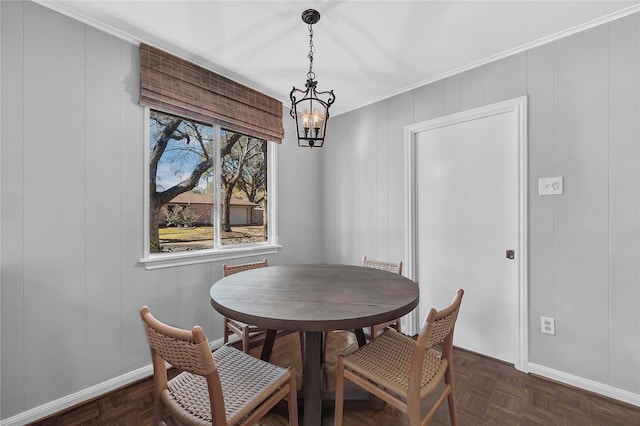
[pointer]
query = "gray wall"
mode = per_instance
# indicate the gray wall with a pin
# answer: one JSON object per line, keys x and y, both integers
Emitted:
{"x": 72, "y": 180}
{"x": 584, "y": 246}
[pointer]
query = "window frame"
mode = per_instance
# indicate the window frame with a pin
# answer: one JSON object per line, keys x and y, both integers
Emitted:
{"x": 218, "y": 252}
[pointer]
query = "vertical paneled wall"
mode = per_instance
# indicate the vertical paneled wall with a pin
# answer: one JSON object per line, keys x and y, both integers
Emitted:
{"x": 12, "y": 180}
{"x": 583, "y": 124}
{"x": 581, "y": 215}
{"x": 101, "y": 192}
{"x": 624, "y": 203}
{"x": 53, "y": 170}
{"x": 540, "y": 92}
{"x": 72, "y": 181}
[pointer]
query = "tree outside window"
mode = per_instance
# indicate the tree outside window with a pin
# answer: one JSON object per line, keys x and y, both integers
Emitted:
{"x": 183, "y": 172}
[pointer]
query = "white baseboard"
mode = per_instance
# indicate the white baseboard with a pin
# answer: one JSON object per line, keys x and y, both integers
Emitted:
{"x": 84, "y": 395}
{"x": 92, "y": 392}
{"x": 87, "y": 394}
{"x": 586, "y": 384}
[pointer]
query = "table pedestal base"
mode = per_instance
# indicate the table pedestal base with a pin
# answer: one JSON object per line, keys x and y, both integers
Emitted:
{"x": 313, "y": 395}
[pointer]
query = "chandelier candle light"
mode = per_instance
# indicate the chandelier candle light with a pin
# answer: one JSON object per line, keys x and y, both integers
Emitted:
{"x": 311, "y": 111}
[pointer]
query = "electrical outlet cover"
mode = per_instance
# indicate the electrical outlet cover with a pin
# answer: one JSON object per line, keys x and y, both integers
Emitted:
{"x": 548, "y": 325}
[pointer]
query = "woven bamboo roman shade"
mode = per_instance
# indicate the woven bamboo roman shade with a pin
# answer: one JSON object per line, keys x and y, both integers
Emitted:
{"x": 178, "y": 86}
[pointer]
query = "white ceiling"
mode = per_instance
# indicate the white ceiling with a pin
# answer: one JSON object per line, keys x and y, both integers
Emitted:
{"x": 365, "y": 50}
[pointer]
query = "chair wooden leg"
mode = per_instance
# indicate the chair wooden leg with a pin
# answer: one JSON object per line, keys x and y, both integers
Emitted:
{"x": 339, "y": 401}
{"x": 245, "y": 341}
{"x": 414, "y": 412}
{"x": 398, "y": 326}
{"x": 158, "y": 413}
{"x": 159, "y": 384}
{"x": 452, "y": 409}
{"x": 414, "y": 419}
{"x": 293, "y": 399}
{"x": 451, "y": 399}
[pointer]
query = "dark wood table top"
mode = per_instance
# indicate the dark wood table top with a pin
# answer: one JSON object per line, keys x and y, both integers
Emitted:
{"x": 314, "y": 297}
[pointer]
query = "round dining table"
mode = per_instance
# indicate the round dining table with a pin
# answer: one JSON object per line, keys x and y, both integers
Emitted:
{"x": 313, "y": 299}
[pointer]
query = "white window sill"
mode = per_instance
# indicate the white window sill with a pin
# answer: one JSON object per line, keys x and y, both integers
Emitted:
{"x": 170, "y": 260}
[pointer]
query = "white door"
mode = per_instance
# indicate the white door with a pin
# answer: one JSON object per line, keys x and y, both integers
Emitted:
{"x": 467, "y": 207}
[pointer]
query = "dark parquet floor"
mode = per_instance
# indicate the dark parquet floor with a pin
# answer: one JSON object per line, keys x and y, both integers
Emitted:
{"x": 488, "y": 392}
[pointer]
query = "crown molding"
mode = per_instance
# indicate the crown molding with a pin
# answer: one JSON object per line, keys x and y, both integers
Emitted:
{"x": 58, "y": 7}
{"x": 522, "y": 48}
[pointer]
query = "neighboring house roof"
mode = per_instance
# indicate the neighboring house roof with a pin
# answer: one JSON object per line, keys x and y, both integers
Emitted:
{"x": 192, "y": 198}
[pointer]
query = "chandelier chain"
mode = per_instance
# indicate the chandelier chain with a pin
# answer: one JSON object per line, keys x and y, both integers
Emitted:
{"x": 311, "y": 75}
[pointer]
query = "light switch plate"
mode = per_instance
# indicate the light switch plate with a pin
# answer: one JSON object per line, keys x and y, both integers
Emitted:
{"x": 550, "y": 186}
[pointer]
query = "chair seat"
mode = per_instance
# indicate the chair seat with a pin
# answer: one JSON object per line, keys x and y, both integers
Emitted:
{"x": 386, "y": 360}
{"x": 379, "y": 328}
{"x": 246, "y": 382}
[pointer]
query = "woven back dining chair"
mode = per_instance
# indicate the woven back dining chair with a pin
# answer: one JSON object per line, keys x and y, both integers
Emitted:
{"x": 249, "y": 333}
{"x": 226, "y": 387}
{"x": 403, "y": 371}
{"x": 396, "y": 268}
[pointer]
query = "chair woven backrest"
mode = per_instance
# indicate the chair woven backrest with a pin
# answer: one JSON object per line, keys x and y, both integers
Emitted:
{"x": 396, "y": 268}
{"x": 439, "y": 324}
{"x": 178, "y": 347}
{"x": 234, "y": 269}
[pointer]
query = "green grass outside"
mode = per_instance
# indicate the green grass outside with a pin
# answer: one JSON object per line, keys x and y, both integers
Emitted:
{"x": 201, "y": 237}
{"x": 198, "y": 233}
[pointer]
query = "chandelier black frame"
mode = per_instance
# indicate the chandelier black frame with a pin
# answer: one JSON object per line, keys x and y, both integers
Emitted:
{"x": 311, "y": 121}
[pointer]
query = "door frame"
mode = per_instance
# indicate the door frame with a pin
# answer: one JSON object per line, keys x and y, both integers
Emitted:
{"x": 518, "y": 106}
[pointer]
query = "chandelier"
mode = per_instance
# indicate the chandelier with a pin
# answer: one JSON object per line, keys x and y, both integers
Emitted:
{"x": 311, "y": 110}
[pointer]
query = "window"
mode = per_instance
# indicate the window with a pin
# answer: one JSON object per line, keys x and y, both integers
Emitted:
{"x": 207, "y": 194}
